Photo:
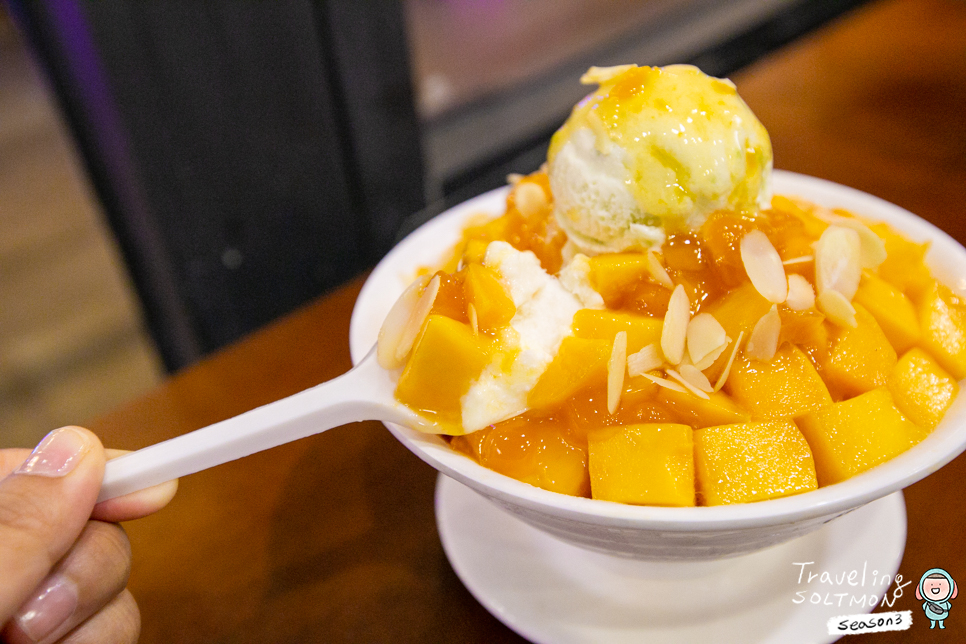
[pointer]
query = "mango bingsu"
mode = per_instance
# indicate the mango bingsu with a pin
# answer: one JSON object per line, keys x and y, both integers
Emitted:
{"x": 647, "y": 324}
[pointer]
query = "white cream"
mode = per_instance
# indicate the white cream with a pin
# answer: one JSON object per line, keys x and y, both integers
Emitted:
{"x": 545, "y": 311}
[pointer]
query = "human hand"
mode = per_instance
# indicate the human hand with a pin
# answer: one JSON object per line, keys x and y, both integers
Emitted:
{"x": 64, "y": 561}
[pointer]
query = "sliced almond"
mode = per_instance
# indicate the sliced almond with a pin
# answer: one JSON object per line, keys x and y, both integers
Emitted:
{"x": 873, "y": 250}
{"x": 838, "y": 263}
{"x": 764, "y": 266}
{"x": 675, "y": 330}
{"x": 710, "y": 359}
{"x": 723, "y": 378}
{"x": 420, "y": 312}
{"x": 615, "y": 371}
{"x": 687, "y": 385}
{"x": 837, "y": 309}
{"x": 395, "y": 324}
{"x": 705, "y": 334}
{"x": 693, "y": 375}
{"x": 763, "y": 341}
{"x": 474, "y": 320}
{"x": 804, "y": 259}
{"x": 657, "y": 270}
{"x": 801, "y": 295}
{"x": 530, "y": 198}
{"x": 647, "y": 359}
{"x": 598, "y": 75}
{"x": 667, "y": 384}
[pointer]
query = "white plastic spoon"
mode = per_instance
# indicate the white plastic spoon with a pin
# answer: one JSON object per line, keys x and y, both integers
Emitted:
{"x": 364, "y": 393}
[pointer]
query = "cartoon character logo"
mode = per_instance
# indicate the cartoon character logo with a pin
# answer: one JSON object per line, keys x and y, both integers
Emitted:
{"x": 936, "y": 589}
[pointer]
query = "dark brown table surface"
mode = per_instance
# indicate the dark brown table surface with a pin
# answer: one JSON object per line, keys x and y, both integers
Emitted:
{"x": 333, "y": 539}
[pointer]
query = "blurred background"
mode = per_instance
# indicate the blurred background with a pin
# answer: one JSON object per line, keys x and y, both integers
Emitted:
{"x": 175, "y": 175}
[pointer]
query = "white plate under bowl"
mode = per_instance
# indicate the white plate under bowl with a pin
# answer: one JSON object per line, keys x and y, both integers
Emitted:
{"x": 549, "y": 591}
{"x": 658, "y": 533}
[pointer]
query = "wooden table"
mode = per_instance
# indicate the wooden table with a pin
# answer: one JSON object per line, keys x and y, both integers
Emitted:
{"x": 332, "y": 538}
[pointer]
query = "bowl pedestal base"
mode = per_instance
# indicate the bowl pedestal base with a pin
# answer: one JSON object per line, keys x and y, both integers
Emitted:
{"x": 551, "y": 591}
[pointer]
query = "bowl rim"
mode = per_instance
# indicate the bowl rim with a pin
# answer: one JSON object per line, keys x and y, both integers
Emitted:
{"x": 429, "y": 243}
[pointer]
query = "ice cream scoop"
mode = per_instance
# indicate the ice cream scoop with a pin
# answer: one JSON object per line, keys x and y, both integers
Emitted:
{"x": 654, "y": 149}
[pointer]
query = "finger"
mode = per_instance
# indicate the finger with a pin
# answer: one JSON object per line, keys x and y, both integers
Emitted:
{"x": 124, "y": 508}
{"x": 89, "y": 577}
{"x": 11, "y": 458}
{"x": 44, "y": 505}
{"x": 136, "y": 504}
{"x": 117, "y": 623}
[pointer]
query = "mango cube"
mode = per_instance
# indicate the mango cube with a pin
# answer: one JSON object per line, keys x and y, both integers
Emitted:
{"x": 804, "y": 328}
{"x": 942, "y": 316}
{"x": 613, "y": 274}
{"x": 855, "y": 435}
{"x": 746, "y": 462}
{"x": 647, "y": 464}
{"x": 737, "y": 311}
{"x": 450, "y": 300}
{"x": 579, "y": 363}
{"x": 720, "y": 409}
{"x": 533, "y": 449}
{"x": 860, "y": 359}
{"x": 892, "y": 310}
{"x": 446, "y": 359}
{"x": 921, "y": 389}
{"x": 587, "y": 409}
{"x": 493, "y": 304}
{"x": 474, "y": 251}
{"x": 904, "y": 266}
{"x": 604, "y": 325}
{"x": 785, "y": 387}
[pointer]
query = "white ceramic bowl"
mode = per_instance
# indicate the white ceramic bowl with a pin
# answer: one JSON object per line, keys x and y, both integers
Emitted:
{"x": 656, "y": 533}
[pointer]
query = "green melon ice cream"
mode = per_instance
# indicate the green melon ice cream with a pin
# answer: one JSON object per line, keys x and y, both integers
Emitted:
{"x": 652, "y": 150}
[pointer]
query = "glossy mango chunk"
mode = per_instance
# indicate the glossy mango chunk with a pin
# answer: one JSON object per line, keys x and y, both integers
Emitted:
{"x": 614, "y": 274}
{"x": 647, "y": 464}
{"x": 737, "y": 311}
{"x": 720, "y": 409}
{"x": 892, "y": 310}
{"x": 490, "y": 230}
{"x": 579, "y": 363}
{"x": 446, "y": 359}
{"x": 533, "y": 449}
{"x": 493, "y": 304}
{"x": 450, "y": 300}
{"x": 474, "y": 251}
{"x": 812, "y": 226}
{"x": 921, "y": 389}
{"x": 604, "y": 325}
{"x": 587, "y": 409}
{"x": 647, "y": 298}
{"x": 746, "y": 462}
{"x": 476, "y": 237}
{"x": 785, "y": 387}
{"x": 904, "y": 266}
{"x": 702, "y": 287}
{"x": 803, "y": 327}
{"x": 857, "y": 434}
{"x": 860, "y": 359}
{"x": 942, "y": 316}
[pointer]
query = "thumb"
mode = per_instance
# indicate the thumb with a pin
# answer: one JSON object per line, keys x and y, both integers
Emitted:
{"x": 44, "y": 505}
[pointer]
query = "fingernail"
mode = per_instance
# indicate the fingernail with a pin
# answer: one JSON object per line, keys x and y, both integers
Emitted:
{"x": 56, "y": 455}
{"x": 49, "y": 608}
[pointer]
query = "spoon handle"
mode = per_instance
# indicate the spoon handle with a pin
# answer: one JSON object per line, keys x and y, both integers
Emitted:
{"x": 364, "y": 393}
